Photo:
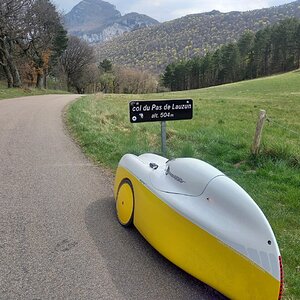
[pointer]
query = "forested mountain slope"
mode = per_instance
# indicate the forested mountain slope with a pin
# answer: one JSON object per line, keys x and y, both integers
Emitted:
{"x": 155, "y": 47}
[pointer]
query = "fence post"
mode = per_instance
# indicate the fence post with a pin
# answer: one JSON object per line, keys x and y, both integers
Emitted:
{"x": 258, "y": 133}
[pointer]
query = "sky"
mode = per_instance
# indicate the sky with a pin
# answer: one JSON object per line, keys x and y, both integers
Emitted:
{"x": 164, "y": 10}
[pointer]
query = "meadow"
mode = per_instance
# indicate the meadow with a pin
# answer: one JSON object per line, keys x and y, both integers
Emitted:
{"x": 221, "y": 133}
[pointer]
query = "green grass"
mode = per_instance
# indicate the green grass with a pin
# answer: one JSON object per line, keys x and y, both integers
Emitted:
{"x": 220, "y": 133}
{"x": 6, "y": 93}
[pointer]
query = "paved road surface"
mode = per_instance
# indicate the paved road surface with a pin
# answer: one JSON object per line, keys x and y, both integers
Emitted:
{"x": 59, "y": 238}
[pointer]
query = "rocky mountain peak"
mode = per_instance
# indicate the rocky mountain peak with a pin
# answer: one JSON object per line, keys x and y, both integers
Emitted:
{"x": 97, "y": 21}
{"x": 213, "y": 13}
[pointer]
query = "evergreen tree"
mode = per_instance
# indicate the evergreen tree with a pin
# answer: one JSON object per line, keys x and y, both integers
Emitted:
{"x": 262, "y": 52}
{"x": 105, "y": 65}
{"x": 230, "y": 58}
{"x": 245, "y": 45}
{"x": 168, "y": 78}
{"x": 297, "y": 39}
{"x": 194, "y": 76}
{"x": 270, "y": 50}
{"x": 284, "y": 45}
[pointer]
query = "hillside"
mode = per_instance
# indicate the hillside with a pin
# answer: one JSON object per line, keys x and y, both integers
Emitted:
{"x": 97, "y": 21}
{"x": 155, "y": 47}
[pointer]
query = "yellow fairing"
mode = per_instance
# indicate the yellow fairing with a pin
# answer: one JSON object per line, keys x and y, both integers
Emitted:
{"x": 195, "y": 250}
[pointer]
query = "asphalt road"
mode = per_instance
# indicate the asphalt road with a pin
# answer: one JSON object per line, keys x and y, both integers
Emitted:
{"x": 59, "y": 237}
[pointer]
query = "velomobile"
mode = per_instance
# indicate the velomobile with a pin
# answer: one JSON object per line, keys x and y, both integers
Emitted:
{"x": 202, "y": 221}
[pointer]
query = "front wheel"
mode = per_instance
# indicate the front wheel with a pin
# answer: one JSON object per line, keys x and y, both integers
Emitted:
{"x": 125, "y": 203}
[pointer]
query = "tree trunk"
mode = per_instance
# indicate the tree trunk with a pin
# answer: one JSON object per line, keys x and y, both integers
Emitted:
{"x": 80, "y": 90}
{"x": 45, "y": 82}
{"x": 39, "y": 80}
{"x": 8, "y": 76}
{"x": 68, "y": 85}
{"x": 14, "y": 72}
{"x": 6, "y": 51}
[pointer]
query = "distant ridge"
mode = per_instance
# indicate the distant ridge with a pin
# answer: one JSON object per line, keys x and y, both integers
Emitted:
{"x": 154, "y": 47}
{"x": 96, "y": 21}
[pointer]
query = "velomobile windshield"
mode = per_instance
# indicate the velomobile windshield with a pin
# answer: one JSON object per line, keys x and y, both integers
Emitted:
{"x": 187, "y": 176}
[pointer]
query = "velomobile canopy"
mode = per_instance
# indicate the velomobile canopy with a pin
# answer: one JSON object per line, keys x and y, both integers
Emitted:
{"x": 186, "y": 176}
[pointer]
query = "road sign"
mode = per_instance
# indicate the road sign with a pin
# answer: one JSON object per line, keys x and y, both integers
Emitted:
{"x": 160, "y": 110}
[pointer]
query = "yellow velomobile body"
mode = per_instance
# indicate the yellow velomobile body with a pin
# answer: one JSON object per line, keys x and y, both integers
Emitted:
{"x": 202, "y": 221}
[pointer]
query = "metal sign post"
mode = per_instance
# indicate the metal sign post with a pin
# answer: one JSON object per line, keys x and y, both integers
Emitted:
{"x": 161, "y": 110}
{"x": 164, "y": 138}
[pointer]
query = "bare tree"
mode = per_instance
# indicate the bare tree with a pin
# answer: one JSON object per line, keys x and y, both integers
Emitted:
{"x": 75, "y": 61}
{"x": 89, "y": 81}
{"x": 132, "y": 81}
{"x": 30, "y": 33}
{"x": 12, "y": 16}
{"x": 44, "y": 29}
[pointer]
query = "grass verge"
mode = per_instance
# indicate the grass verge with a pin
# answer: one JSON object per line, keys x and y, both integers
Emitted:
{"x": 220, "y": 133}
{"x": 6, "y": 93}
